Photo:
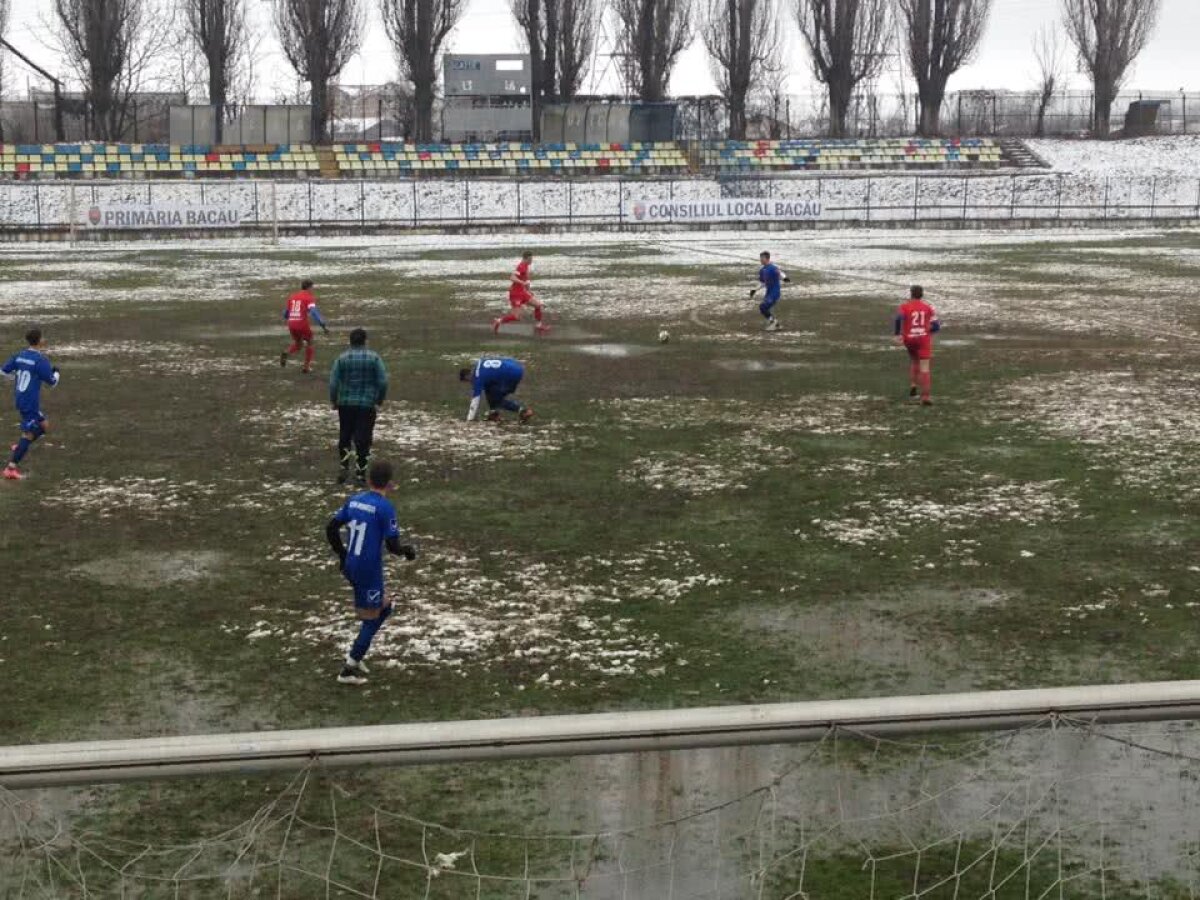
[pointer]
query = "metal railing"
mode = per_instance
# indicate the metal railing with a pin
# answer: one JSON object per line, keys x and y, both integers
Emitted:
{"x": 94, "y": 762}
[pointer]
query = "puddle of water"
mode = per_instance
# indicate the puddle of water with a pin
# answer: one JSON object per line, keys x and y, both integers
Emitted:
{"x": 525, "y": 329}
{"x": 758, "y": 365}
{"x": 147, "y": 569}
{"x": 612, "y": 351}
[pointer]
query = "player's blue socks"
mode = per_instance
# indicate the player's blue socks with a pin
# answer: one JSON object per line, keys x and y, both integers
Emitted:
{"x": 21, "y": 449}
{"x": 367, "y": 630}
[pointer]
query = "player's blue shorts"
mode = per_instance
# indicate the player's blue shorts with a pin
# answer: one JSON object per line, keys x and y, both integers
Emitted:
{"x": 368, "y": 595}
{"x": 496, "y": 394}
{"x": 31, "y": 423}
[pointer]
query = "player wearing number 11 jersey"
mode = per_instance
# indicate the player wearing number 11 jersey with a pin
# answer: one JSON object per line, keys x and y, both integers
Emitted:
{"x": 29, "y": 369}
{"x": 916, "y": 324}
{"x": 370, "y": 523}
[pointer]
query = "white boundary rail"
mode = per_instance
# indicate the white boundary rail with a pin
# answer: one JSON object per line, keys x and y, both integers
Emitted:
{"x": 574, "y": 735}
{"x": 29, "y": 209}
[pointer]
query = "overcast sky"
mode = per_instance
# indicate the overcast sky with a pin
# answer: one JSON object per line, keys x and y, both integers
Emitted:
{"x": 1005, "y": 59}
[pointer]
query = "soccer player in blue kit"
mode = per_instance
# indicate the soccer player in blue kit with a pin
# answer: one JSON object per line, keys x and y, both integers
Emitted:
{"x": 370, "y": 523}
{"x": 770, "y": 277}
{"x": 496, "y": 378}
{"x": 29, "y": 369}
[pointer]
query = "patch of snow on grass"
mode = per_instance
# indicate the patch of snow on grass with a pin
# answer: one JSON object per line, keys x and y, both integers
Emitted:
{"x": 884, "y": 519}
{"x": 407, "y": 432}
{"x": 457, "y": 612}
{"x": 1147, "y": 427}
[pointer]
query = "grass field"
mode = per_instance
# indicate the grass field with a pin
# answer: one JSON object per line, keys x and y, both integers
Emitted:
{"x": 730, "y": 517}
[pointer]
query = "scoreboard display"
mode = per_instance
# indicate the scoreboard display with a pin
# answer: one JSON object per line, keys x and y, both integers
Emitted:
{"x": 486, "y": 75}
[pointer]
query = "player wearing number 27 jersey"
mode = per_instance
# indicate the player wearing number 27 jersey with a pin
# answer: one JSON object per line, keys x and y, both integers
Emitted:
{"x": 29, "y": 369}
{"x": 915, "y": 325}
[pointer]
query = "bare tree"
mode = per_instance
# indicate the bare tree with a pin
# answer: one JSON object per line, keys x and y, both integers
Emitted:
{"x": 651, "y": 35}
{"x": 218, "y": 29}
{"x": 4, "y": 9}
{"x": 318, "y": 38}
{"x": 848, "y": 41}
{"x": 1108, "y": 36}
{"x": 940, "y": 36}
{"x": 538, "y": 22}
{"x": 578, "y": 21}
{"x": 560, "y": 36}
{"x": 111, "y": 45}
{"x": 742, "y": 37}
{"x": 1048, "y": 53}
{"x": 417, "y": 29}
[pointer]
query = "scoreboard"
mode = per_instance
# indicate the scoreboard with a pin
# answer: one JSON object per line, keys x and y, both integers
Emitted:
{"x": 486, "y": 75}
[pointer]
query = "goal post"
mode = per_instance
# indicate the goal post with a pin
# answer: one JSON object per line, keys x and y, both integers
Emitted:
{"x": 1068, "y": 793}
{"x": 423, "y": 743}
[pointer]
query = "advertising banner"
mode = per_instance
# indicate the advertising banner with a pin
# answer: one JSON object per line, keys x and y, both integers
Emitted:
{"x": 156, "y": 214}
{"x": 749, "y": 209}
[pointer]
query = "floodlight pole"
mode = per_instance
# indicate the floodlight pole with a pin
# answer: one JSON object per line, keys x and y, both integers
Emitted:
{"x": 58, "y": 116}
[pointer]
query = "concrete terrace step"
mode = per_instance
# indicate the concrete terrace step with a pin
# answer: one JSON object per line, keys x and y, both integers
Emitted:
{"x": 1019, "y": 154}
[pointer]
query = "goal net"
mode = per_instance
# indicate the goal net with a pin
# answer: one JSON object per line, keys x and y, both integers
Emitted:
{"x": 1063, "y": 810}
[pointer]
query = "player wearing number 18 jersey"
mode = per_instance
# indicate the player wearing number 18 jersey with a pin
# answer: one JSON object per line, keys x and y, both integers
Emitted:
{"x": 915, "y": 325}
{"x": 370, "y": 523}
{"x": 520, "y": 293}
{"x": 302, "y": 306}
{"x": 29, "y": 369}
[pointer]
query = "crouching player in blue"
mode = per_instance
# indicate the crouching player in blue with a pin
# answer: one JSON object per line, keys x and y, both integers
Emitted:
{"x": 29, "y": 369}
{"x": 497, "y": 379}
{"x": 370, "y": 523}
{"x": 770, "y": 278}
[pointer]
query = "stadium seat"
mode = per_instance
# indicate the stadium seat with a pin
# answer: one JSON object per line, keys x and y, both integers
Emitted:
{"x": 824, "y": 154}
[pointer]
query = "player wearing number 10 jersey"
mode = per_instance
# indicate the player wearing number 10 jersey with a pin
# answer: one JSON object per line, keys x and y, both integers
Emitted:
{"x": 370, "y": 523}
{"x": 29, "y": 369}
{"x": 916, "y": 324}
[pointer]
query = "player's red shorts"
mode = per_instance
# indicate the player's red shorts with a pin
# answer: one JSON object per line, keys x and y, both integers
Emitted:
{"x": 919, "y": 348}
{"x": 519, "y": 300}
{"x": 300, "y": 332}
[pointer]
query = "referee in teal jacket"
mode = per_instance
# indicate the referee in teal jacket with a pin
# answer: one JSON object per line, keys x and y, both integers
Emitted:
{"x": 358, "y": 384}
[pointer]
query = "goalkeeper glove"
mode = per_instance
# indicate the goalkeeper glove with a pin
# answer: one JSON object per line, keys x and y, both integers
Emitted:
{"x": 408, "y": 551}
{"x": 325, "y": 329}
{"x": 753, "y": 291}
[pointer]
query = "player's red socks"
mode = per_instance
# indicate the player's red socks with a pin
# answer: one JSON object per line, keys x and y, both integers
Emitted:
{"x": 309, "y": 352}
{"x": 914, "y": 374}
{"x": 509, "y": 317}
{"x": 926, "y": 383}
{"x": 292, "y": 349}
{"x": 537, "y": 313}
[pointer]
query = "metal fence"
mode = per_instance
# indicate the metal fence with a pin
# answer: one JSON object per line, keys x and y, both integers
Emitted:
{"x": 965, "y": 114}
{"x": 398, "y": 203}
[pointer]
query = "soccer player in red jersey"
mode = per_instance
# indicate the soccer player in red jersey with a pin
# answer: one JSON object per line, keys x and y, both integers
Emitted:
{"x": 916, "y": 323}
{"x": 520, "y": 294}
{"x": 300, "y": 307}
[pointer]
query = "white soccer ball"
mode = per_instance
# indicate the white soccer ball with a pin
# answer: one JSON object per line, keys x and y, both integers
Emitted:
{"x": 664, "y": 336}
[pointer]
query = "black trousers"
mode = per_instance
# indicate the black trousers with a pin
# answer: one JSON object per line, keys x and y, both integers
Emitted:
{"x": 356, "y": 425}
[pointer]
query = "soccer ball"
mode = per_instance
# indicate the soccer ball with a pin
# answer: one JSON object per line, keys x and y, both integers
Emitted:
{"x": 664, "y": 336}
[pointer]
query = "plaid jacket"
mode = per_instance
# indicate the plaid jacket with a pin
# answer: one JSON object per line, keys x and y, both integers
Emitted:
{"x": 358, "y": 378}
